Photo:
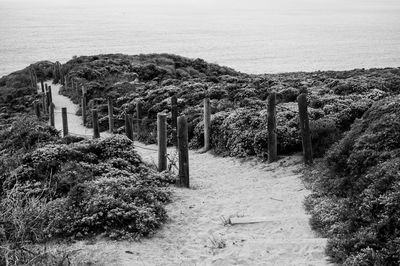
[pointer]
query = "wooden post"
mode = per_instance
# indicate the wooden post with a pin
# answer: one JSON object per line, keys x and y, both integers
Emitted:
{"x": 84, "y": 109}
{"x": 162, "y": 141}
{"x": 272, "y": 138}
{"x": 51, "y": 114}
{"x": 183, "y": 149}
{"x": 42, "y": 85}
{"x": 45, "y": 87}
{"x": 305, "y": 128}
{"x": 37, "y": 109}
{"x": 110, "y": 115}
{"x": 64, "y": 121}
{"x": 96, "y": 133}
{"x": 174, "y": 117}
{"x": 47, "y": 98}
{"x": 50, "y": 95}
{"x": 66, "y": 82}
{"x": 44, "y": 103}
{"x": 138, "y": 116}
{"x": 128, "y": 126}
{"x": 207, "y": 124}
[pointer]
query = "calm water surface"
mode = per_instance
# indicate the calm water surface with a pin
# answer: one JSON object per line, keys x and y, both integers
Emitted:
{"x": 252, "y": 36}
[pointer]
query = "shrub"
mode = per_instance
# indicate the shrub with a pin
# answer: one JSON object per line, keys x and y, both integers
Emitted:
{"x": 25, "y": 134}
{"x": 80, "y": 189}
{"x": 356, "y": 200}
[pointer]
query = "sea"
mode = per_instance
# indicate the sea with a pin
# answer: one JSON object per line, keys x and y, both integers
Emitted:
{"x": 251, "y": 36}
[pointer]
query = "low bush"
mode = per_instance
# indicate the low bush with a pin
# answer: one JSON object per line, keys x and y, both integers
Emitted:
{"x": 75, "y": 189}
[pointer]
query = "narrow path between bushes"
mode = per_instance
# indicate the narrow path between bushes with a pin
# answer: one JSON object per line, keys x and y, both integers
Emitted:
{"x": 196, "y": 232}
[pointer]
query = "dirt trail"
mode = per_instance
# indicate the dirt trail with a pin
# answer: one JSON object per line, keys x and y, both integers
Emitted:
{"x": 221, "y": 188}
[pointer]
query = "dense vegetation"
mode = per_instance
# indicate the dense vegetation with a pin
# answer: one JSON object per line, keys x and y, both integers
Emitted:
{"x": 52, "y": 187}
{"x": 356, "y": 202}
{"x": 238, "y": 100}
{"x": 110, "y": 191}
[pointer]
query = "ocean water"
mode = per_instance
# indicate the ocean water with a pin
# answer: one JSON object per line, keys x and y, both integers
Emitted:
{"x": 252, "y": 36}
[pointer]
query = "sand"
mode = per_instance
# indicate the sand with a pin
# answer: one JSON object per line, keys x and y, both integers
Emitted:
{"x": 197, "y": 232}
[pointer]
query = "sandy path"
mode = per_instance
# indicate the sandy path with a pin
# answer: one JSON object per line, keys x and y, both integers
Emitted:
{"x": 221, "y": 187}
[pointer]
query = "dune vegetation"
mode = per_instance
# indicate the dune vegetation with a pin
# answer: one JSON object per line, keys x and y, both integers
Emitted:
{"x": 70, "y": 184}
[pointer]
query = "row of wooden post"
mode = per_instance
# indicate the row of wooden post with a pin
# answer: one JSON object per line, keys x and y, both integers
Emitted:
{"x": 182, "y": 146}
{"x": 46, "y": 103}
{"x": 303, "y": 124}
{"x": 181, "y": 136}
{"x": 179, "y": 128}
{"x": 129, "y": 120}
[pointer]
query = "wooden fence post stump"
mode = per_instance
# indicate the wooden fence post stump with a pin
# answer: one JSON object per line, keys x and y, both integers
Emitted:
{"x": 305, "y": 128}
{"x": 51, "y": 115}
{"x": 162, "y": 141}
{"x": 84, "y": 117}
{"x": 183, "y": 149}
{"x": 207, "y": 124}
{"x": 96, "y": 132}
{"x": 174, "y": 118}
{"x": 128, "y": 126}
{"x": 110, "y": 115}
{"x": 64, "y": 121}
{"x": 272, "y": 138}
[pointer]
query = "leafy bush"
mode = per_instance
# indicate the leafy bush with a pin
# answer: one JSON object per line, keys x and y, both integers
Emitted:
{"x": 80, "y": 189}
{"x": 356, "y": 201}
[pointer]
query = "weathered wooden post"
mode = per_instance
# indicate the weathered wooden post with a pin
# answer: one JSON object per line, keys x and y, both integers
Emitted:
{"x": 128, "y": 126}
{"x": 110, "y": 115}
{"x": 45, "y": 87}
{"x": 271, "y": 123}
{"x": 207, "y": 124}
{"x": 47, "y": 98}
{"x": 36, "y": 105}
{"x": 64, "y": 121}
{"x": 50, "y": 95}
{"x": 162, "y": 141}
{"x": 183, "y": 149}
{"x": 42, "y": 85}
{"x": 174, "y": 118}
{"x": 138, "y": 116}
{"x": 305, "y": 128}
{"x": 51, "y": 115}
{"x": 44, "y": 103}
{"x": 96, "y": 132}
{"x": 84, "y": 117}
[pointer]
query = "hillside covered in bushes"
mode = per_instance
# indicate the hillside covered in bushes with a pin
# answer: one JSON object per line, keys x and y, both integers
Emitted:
{"x": 238, "y": 100}
{"x": 354, "y": 119}
{"x": 356, "y": 199}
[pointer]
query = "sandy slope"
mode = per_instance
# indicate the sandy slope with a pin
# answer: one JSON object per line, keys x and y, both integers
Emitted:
{"x": 221, "y": 188}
